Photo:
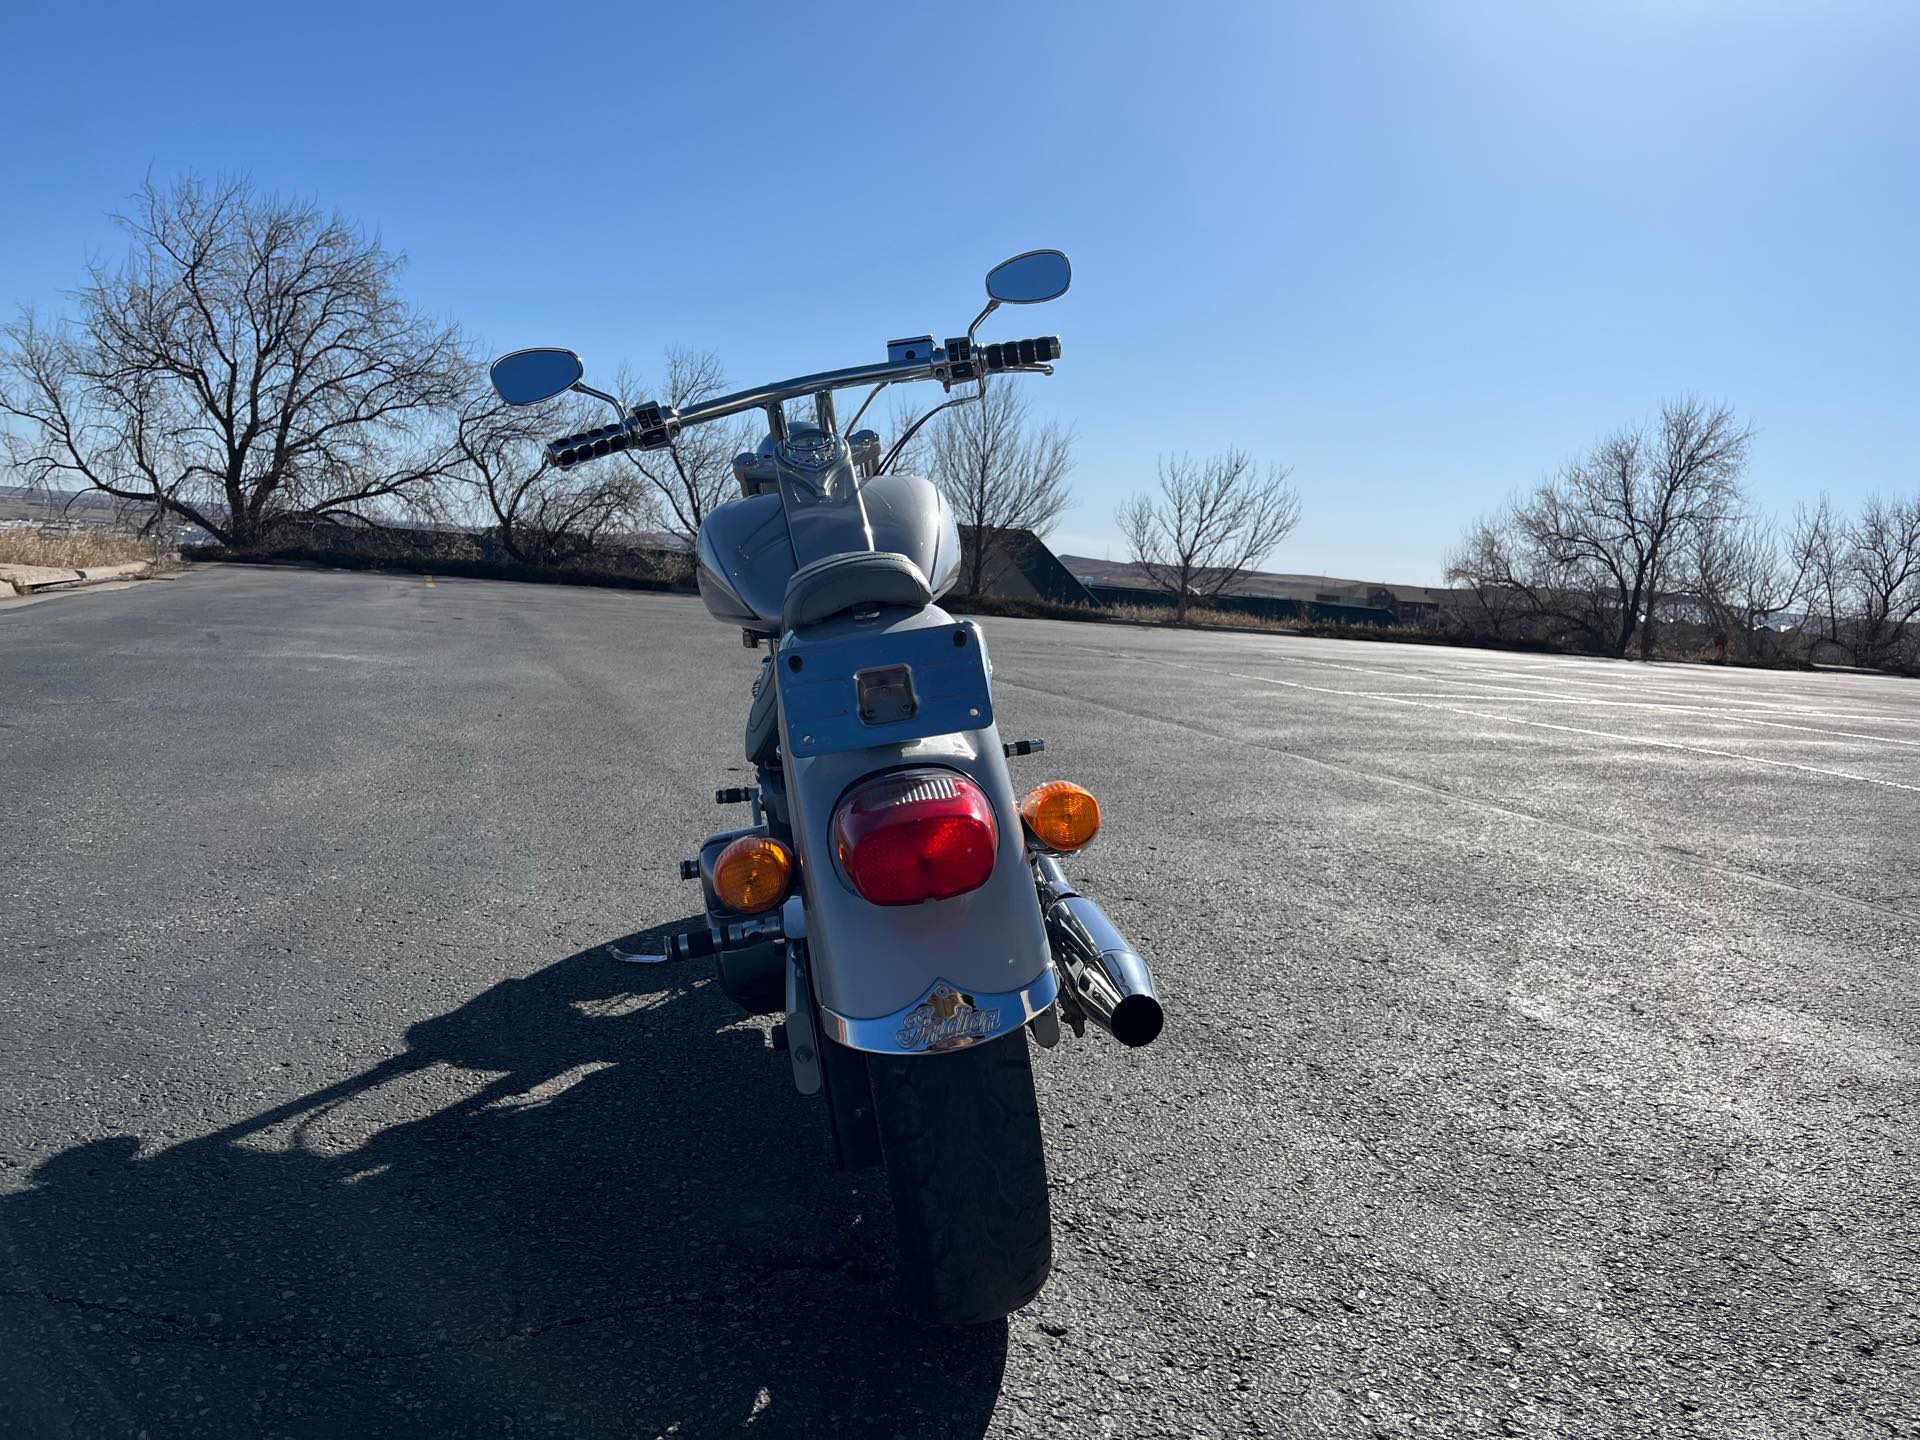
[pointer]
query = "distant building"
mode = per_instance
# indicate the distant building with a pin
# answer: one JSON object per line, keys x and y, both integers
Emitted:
{"x": 1019, "y": 566}
{"x": 1325, "y": 594}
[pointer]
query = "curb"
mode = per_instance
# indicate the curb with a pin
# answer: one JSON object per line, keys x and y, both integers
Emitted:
{"x": 31, "y": 579}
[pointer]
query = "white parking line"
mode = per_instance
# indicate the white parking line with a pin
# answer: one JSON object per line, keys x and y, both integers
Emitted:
{"x": 1483, "y": 680}
{"x": 1524, "y": 697}
{"x": 1580, "y": 730}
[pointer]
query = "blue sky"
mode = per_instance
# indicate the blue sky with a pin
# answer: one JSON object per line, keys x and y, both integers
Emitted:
{"x": 1419, "y": 252}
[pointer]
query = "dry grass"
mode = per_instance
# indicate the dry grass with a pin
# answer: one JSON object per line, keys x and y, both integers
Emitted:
{"x": 76, "y": 547}
{"x": 1200, "y": 617}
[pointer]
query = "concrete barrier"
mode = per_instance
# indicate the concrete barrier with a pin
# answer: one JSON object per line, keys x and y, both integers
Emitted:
{"x": 26, "y": 579}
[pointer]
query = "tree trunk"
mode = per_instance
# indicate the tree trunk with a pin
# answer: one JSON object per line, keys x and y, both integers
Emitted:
{"x": 1650, "y": 596}
{"x": 1630, "y": 601}
{"x": 242, "y": 533}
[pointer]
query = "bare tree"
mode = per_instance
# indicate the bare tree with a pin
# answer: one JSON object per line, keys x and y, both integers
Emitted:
{"x": 1512, "y": 593}
{"x": 1882, "y": 577}
{"x": 1817, "y": 550}
{"x": 541, "y": 513}
{"x": 1212, "y": 521}
{"x": 249, "y": 363}
{"x": 999, "y": 471}
{"x": 1595, "y": 545}
{"x": 1537, "y": 592}
{"x": 1695, "y": 463}
{"x": 697, "y": 473}
{"x": 1741, "y": 576}
{"x": 1482, "y": 565}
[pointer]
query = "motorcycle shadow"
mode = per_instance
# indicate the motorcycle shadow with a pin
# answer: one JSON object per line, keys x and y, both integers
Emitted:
{"x": 586, "y": 1201}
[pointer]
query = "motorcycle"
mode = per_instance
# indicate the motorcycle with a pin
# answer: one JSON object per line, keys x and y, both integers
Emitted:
{"x": 891, "y": 897}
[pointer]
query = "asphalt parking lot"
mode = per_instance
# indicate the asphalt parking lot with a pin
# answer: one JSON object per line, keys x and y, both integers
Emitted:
{"x": 1541, "y": 1052}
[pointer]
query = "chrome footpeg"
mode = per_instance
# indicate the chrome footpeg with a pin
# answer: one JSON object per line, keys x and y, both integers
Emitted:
{"x": 698, "y": 944}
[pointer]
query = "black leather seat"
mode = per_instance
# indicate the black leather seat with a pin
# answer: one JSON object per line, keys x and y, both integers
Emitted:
{"x": 852, "y": 581}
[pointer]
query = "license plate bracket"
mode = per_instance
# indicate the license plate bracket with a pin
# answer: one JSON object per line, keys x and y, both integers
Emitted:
{"x": 820, "y": 695}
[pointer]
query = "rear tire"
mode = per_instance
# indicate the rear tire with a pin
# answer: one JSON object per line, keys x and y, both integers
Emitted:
{"x": 967, "y": 1167}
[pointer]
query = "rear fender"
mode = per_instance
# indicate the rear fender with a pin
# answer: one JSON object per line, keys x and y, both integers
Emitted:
{"x": 904, "y": 979}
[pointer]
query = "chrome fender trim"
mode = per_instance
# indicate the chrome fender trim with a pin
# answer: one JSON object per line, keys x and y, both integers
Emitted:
{"x": 945, "y": 1017}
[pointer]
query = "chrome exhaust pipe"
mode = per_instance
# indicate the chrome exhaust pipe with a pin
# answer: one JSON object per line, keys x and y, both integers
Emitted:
{"x": 1106, "y": 980}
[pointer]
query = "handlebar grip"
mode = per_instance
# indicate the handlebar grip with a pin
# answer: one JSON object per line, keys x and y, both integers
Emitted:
{"x": 570, "y": 450}
{"x": 646, "y": 427}
{"x": 1007, "y": 354}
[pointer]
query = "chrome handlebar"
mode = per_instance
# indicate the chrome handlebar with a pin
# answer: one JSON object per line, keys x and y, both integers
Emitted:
{"x": 761, "y": 396}
{"x": 652, "y": 427}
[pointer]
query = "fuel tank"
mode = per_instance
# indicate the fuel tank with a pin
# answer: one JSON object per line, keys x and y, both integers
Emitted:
{"x": 749, "y": 548}
{"x": 743, "y": 561}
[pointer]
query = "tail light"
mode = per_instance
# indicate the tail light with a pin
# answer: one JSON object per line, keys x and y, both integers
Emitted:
{"x": 915, "y": 835}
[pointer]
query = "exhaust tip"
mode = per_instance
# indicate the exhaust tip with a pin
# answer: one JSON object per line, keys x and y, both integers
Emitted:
{"x": 1137, "y": 1020}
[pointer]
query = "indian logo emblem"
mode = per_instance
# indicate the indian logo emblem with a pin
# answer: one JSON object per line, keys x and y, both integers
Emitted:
{"x": 944, "y": 1020}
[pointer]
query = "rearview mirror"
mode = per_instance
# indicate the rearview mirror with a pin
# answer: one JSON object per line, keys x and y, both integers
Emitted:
{"x": 1030, "y": 278}
{"x": 526, "y": 377}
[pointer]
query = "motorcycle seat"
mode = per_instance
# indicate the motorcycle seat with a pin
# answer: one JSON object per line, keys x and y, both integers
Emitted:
{"x": 839, "y": 583}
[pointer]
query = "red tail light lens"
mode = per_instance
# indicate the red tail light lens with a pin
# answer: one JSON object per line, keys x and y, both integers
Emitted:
{"x": 915, "y": 835}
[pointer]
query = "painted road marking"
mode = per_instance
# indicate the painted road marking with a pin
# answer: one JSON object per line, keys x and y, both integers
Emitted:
{"x": 1734, "y": 716}
{"x": 1579, "y": 730}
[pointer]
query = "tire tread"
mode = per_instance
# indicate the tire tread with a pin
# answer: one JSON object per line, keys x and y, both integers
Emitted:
{"x": 966, "y": 1166}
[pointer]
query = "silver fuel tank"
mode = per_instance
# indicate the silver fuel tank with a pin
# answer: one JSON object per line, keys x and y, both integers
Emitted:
{"x": 749, "y": 548}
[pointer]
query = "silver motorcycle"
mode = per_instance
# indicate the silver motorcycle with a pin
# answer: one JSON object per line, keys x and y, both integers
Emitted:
{"x": 892, "y": 897}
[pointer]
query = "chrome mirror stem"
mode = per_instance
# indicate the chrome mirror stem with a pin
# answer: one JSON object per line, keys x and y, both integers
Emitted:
{"x": 992, "y": 305}
{"x": 619, "y": 407}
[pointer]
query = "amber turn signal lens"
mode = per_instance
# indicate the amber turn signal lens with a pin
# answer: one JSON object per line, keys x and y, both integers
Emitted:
{"x": 753, "y": 874}
{"x": 1061, "y": 814}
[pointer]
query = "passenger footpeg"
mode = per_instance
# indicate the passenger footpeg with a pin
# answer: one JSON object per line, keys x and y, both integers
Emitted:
{"x": 700, "y": 943}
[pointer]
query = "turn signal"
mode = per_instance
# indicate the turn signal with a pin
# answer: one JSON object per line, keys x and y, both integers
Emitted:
{"x": 753, "y": 874}
{"x": 1061, "y": 815}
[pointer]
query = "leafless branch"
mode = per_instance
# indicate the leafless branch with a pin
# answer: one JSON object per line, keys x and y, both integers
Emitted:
{"x": 1212, "y": 521}
{"x": 541, "y": 513}
{"x": 697, "y": 473}
{"x": 1882, "y": 578}
{"x": 999, "y": 470}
